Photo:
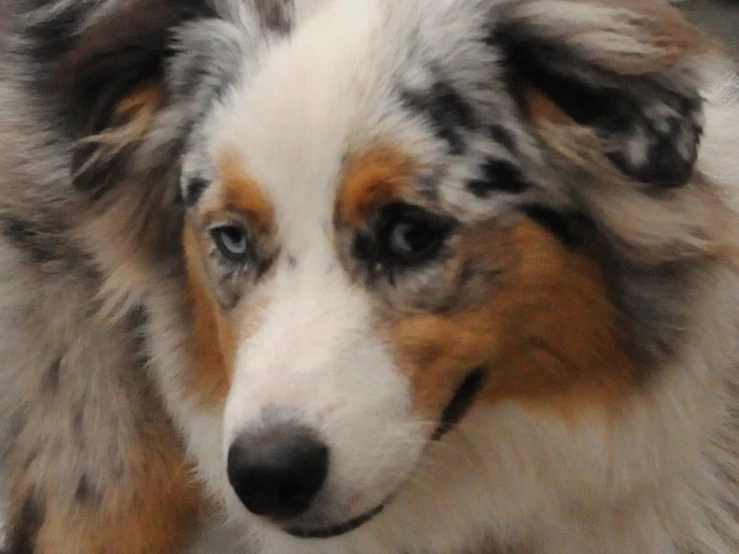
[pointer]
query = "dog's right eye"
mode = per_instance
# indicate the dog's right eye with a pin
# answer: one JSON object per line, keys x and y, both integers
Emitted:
{"x": 232, "y": 241}
{"x": 407, "y": 235}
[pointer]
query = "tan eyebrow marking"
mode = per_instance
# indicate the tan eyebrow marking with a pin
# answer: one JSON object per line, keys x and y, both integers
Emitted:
{"x": 372, "y": 178}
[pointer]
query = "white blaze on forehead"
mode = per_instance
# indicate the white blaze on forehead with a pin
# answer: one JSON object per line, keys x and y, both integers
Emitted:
{"x": 315, "y": 355}
{"x": 315, "y": 359}
{"x": 290, "y": 125}
{"x": 295, "y": 119}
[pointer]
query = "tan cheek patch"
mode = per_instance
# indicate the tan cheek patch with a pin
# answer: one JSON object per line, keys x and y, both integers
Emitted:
{"x": 213, "y": 338}
{"x": 154, "y": 509}
{"x": 215, "y": 333}
{"x": 546, "y": 333}
{"x": 372, "y": 179}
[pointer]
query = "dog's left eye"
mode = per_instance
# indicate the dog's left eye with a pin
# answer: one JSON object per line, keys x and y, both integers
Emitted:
{"x": 408, "y": 235}
{"x": 232, "y": 241}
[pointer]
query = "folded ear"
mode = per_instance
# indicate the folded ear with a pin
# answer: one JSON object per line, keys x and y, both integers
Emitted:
{"x": 612, "y": 90}
{"x": 103, "y": 69}
{"x": 623, "y": 69}
{"x": 118, "y": 73}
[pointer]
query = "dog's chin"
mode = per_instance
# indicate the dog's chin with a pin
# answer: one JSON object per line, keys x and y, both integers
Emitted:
{"x": 334, "y": 530}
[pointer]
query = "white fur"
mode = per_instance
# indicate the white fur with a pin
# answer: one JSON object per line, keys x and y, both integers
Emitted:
{"x": 314, "y": 352}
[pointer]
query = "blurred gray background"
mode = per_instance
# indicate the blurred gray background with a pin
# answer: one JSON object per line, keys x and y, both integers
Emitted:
{"x": 719, "y": 16}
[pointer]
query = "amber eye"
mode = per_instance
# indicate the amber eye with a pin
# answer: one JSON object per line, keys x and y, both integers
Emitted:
{"x": 232, "y": 241}
{"x": 408, "y": 235}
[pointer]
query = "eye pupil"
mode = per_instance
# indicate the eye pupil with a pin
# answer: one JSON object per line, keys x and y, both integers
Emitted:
{"x": 232, "y": 241}
{"x": 410, "y": 238}
{"x": 409, "y": 235}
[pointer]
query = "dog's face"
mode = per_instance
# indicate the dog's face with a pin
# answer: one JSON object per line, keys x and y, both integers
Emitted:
{"x": 364, "y": 223}
{"x": 411, "y": 224}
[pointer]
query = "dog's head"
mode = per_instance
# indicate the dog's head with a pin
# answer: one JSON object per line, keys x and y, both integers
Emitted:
{"x": 411, "y": 225}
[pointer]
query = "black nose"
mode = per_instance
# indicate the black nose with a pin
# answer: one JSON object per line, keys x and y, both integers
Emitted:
{"x": 278, "y": 471}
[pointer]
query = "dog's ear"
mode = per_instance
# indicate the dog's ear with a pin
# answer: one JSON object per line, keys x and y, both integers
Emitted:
{"x": 112, "y": 70}
{"x": 612, "y": 90}
{"x": 623, "y": 69}
{"x": 103, "y": 67}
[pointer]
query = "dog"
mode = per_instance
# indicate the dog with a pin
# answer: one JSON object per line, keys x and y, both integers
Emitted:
{"x": 367, "y": 277}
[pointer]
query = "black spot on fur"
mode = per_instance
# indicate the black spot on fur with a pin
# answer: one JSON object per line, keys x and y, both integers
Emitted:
{"x": 52, "y": 377}
{"x": 85, "y": 493}
{"x": 427, "y": 185}
{"x": 500, "y": 135}
{"x": 77, "y": 421}
{"x": 567, "y": 227}
{"x": 17, "y": 421}
{"x": 52, "y": 36}
{"x": 666, "y": 166}
{"x": 194, "y": 191}
{"x": 30, "y": 458}
{"x": 498, "y": 176}
{"x": 25, "y": 526}
{"x": 36, "y": 241}
{"x": 447, "y": 110}
{"x": 460, "y": 402}
{"x": 265, "y": 264}
{"x": 14, "y": 426}
{"x": 616, "y": 109}
{"x": 83, "y": 490}
{"x": 275, "y": 14}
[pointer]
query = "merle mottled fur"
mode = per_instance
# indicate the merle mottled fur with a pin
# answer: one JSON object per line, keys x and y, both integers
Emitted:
{"x": 91, "y": 207}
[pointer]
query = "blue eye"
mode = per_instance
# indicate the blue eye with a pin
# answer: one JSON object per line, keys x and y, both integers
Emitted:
{"x": 232, "y": 241}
